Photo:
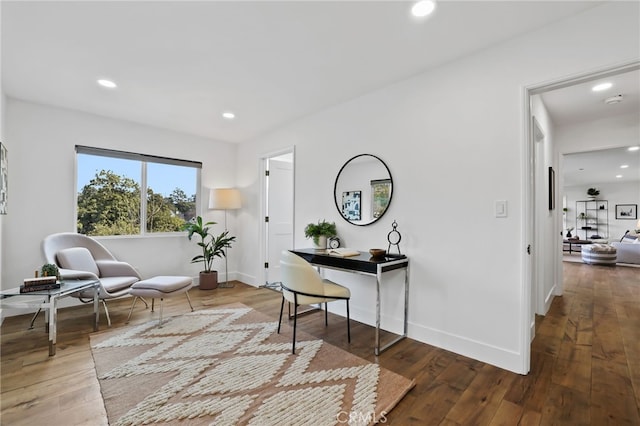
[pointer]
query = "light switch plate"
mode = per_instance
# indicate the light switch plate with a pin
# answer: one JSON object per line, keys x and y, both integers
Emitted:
{"x": 501, "y": 208}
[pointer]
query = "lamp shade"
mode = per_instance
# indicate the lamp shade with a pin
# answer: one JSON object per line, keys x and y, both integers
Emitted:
{"x": 224, "y": 199}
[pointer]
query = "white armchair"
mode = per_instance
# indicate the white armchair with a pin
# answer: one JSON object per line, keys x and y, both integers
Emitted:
{"x": 81, "y": 257}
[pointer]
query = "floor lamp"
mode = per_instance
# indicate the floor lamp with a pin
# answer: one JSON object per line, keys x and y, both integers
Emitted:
{"x": 224, "y": 199}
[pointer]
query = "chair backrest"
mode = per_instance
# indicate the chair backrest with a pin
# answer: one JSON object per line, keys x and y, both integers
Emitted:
{"x": 55, "y": 243}
{"x": 298, "y": 274}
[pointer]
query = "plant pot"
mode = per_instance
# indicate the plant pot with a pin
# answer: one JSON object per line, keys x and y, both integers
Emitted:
{"x": 322, "y": 243}
{"x": 208, "y": 280}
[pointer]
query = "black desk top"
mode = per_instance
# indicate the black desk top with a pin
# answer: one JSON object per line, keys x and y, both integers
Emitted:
{"x": 361, "y": 263}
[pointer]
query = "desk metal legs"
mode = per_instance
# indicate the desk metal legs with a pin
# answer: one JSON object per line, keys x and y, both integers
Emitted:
{"x": 377, "y": 349}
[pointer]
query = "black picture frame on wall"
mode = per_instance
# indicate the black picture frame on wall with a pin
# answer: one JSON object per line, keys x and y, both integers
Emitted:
{"x": 627, "y": 211}
{"x": 552, "y": 189}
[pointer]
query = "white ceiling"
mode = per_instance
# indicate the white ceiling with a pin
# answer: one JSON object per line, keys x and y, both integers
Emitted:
{"x": 180, "y": 64}
{"x": 578, "y": 104}
{"x": 596, "y": 167}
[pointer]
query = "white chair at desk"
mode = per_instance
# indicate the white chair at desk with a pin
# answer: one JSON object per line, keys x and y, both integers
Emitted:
{"x": 302, "y": 285}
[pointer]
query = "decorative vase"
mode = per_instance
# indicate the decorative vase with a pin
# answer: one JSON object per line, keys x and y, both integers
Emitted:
{"x": 208, "y": 280}
{"x": 569, "y": 234}
{"x": 322, "y": 243}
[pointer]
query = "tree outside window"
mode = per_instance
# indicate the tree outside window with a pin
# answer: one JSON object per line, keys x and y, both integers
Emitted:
{"x": 109, "y": 195}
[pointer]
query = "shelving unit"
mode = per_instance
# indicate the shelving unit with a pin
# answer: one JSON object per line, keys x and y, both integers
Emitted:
{"x": 595, "y": 221}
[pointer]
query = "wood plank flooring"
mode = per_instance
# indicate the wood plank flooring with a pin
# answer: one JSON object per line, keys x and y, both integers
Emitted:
{"x": 585, "y": 361}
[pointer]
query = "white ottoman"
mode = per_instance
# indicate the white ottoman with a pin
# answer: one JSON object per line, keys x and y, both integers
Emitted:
{"x": 160, "y": 287}
{"x": 599, "y": 254}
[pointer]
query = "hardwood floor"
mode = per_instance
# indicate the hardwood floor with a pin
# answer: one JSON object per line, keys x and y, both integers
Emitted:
{"x": 585, "y": 361}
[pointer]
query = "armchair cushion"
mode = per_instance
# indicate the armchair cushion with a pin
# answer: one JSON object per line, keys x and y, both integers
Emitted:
{"x": 115, "y": 284}
{"x": 79, "y": 259}
{"x": 115, "y": 268}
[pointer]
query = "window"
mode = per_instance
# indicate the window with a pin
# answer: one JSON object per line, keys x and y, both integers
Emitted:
{"x": 111, "y": 185}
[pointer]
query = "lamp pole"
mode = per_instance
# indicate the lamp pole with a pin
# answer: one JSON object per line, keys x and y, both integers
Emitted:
{"x": 225, "y": 199}
{"x": 226, "y": 262}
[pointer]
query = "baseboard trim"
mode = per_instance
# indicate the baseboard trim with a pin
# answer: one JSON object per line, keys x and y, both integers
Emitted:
{"x": 490, "y": 354}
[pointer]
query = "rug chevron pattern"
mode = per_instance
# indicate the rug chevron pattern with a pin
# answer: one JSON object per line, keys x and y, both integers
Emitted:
{"x": 228, "y": 366}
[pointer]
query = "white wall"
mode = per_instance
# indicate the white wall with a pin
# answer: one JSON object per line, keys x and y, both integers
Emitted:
{"x": 42, "y": 186}
{"x": 453, "y": 139}
{"x": 614, "y": 193}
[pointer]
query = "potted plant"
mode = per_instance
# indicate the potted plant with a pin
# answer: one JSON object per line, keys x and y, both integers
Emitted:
{"x": 593, "y": 193}
{"x": 569, "y": 229}
{"x": 319, "y": 232}
{"x": 50, "y": 270}
{"x": 212, "y": 247}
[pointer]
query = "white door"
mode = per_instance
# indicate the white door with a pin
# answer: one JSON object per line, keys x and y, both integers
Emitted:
{"x": 279, "y": 211}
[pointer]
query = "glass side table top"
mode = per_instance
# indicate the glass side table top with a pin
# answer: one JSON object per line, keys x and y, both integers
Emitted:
{"x": 66, "y": 287}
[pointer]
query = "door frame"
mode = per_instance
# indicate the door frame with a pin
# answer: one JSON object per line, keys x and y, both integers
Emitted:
{"x": 264, "y": 158}
{"x": 528, "y": 190}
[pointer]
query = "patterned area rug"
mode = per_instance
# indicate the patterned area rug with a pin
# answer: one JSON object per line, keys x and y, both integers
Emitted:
{"x": 228, "y": 366}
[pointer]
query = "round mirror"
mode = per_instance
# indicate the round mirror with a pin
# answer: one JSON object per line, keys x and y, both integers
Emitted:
{"x": 363, "y": 189}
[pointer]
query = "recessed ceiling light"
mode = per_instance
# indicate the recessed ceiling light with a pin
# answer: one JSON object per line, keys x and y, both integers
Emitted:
{"x": 633, "y": 148}
{"x": 602, "y": 86}
{"x": 619, "y": 176}
{"x": 423, "y": 8}
{"x": 624, "y": 166}
{"x": 228, "y": 115}
{"x": 107, "y": 83}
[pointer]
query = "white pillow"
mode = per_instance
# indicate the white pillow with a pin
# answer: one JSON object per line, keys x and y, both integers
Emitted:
{"x": 79, "y": 259}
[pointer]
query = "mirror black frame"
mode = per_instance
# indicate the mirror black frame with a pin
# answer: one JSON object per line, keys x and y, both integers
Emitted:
{"x": 335, "y": 188}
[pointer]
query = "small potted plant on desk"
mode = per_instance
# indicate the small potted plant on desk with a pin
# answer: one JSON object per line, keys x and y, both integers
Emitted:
{"x": 212, "y": 247}
{"x": 319, "y": 232}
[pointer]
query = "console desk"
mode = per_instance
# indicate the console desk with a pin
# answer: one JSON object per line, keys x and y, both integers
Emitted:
{"x": 366, "y": 265}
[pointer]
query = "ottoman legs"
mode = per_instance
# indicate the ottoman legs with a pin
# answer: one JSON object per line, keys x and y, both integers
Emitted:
{"x": 135, "y": 299}
{"x": 161, "y": 299}
{"x": 160, "y": 287}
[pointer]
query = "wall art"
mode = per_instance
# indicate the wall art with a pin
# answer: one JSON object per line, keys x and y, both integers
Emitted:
{"x": 351, "y": 205}
{"x": 627, "y": 211}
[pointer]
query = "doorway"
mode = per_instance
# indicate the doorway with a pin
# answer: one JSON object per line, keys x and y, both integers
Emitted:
{"x": 545, "y": 239}
{"x": 278, "y": 196}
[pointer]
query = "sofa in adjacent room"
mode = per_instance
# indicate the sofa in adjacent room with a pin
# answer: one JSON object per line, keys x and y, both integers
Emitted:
{"x": 628, "y": 249}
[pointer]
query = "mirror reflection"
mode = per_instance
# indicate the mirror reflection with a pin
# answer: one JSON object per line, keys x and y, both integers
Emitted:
{"x": 363, "y": 189}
